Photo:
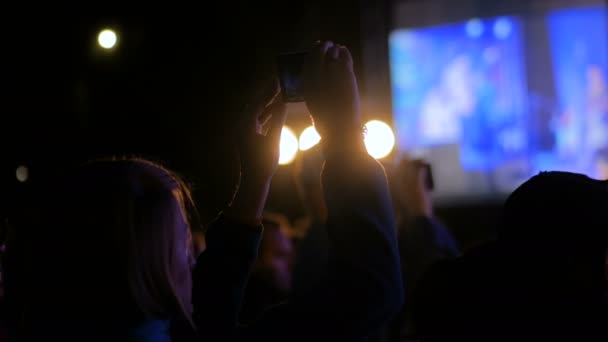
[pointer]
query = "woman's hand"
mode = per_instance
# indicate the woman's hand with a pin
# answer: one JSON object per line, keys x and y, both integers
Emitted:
{"x": 258, "y": 145}
{"x": 331, "y": 93}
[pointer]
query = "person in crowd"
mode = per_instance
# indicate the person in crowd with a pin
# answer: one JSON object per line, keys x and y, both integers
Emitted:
{"x": 312, "y": 250}
{"x": 115, "y": 260}
{"x": 595, "y": 115}
{"x": 112, "y": 256}
{"x": 197, "y": 230}
{"x": 544, "y": 278}
{"x": 423, "y": 240}
{"x": 198, "y": 240}
{"x": 361, "y": 292}
{"x": 270, "y": 281}
{"x": 307, "y": 177}
{"x": 600, "y": 164}
{"x": 311, "y": 263}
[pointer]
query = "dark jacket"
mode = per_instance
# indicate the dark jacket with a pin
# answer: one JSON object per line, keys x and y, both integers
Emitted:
{"x": 423, "y": 242}
{"x": 363, "y": 289}
{"x": 310, "y": 268}
{"x": 543, "y": 279}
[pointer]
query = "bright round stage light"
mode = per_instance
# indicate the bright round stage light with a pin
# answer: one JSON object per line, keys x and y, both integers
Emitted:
{"x": 379, "y": 139}
{"x": 474, "y": 28}
{"x": 288, "y": 146}
{"x": 503, "y": 28}
{"x": 22, "y": 173}
{"x": 309, "y": 138}
{"x": 107, "y": 39}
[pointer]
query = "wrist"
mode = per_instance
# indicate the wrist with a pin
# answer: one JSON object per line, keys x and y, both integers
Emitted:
{"x": 248, "y": 204}
{"x": 344, "y": 140}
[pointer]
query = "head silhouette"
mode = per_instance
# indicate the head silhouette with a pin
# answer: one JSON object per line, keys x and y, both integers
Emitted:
{"x": 560, "y": 219}
{"x": 115, "y": 240}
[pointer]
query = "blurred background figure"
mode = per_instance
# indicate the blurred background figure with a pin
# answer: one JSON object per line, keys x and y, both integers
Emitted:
{"x": 601, "y": 164}
{"x": 271, "y": 279}
{"x": 597, "y": 109}
{"x": 307, "y": 174}
{"x": 312, "y": 249}
{"x": 198, "y": 242}
{"x": 454, "y": 98}
{"x": 423, "y": 240}
{"x": 583, "y": 133}
{"x": 197, "y": 230}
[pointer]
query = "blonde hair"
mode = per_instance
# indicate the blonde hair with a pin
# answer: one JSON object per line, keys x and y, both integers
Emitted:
{"x": 130, "y": 219}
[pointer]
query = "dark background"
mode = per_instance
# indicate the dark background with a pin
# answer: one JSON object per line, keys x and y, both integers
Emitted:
{"x": 170, "y": 91}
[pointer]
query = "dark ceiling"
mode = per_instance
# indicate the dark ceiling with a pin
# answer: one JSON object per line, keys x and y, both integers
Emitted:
{"x": 170, "y": 91}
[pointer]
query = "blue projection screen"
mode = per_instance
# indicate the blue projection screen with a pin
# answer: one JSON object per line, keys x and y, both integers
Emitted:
{"x": 579, "y": 46}
{"x": 463, "y": 98}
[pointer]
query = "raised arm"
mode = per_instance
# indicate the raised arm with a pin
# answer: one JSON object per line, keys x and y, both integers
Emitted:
{"x": 222, "y": 270}
{"x": 363, "y": 289}
{"x": 422, "y": 239}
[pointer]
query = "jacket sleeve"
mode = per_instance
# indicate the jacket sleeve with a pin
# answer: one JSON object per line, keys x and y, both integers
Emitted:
{"x": 363, "y": 289}
{"x": 220, "y": 276}
{"x": 422, "y": 242}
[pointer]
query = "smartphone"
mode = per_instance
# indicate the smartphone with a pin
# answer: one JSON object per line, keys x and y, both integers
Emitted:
{"x": 289, "y": 67}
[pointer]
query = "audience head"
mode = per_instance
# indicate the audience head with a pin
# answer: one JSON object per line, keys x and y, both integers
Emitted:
{"x": 118, "y": 238}
{"x": 275, "y": 257}
{"x": 412, "y": 184}
{"x": 561, "y": 219}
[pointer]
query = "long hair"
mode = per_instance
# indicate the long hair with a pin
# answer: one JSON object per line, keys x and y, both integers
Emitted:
{"x": 117, "y": 237}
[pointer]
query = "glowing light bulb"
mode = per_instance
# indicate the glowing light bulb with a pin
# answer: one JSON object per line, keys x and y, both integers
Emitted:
{"x": 22, "y": 173}
{"x": 288, "y": 146}
{"x": 503, "y": 28}
{"x": 309, "y": 138}
{"x": 474, "y": 28}
{"x": 379, "y": 139}
{"x": 107, "y": 39}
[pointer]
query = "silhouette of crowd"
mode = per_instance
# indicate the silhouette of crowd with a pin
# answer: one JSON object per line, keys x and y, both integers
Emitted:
{"x": 113, "y": 250}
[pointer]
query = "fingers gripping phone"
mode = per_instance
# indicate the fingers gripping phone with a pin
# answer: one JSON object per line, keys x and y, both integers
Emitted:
{"x": 290, "y": 67}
